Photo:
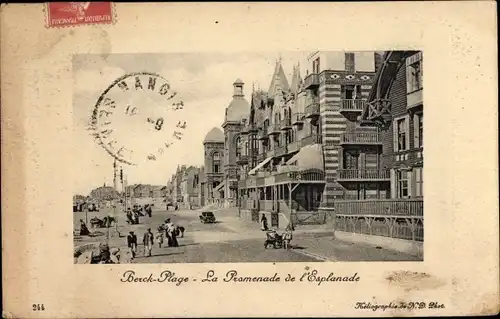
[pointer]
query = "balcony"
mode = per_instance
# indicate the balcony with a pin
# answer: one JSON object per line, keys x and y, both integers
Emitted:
{"x": 280, "y": 151}
{"x": 303, "y": 177}
{"x": 261, "y": 157}
{"x": 355, "y": 175}
{"x": 214, "y": 174}
{"x": 298, "y": 119}
{"x": 360, "y": 139}
{"x": 274, "y": 129}
{"x": 311, "y": 81}
{"x": 352, "y": 107}
{"x": 262, "y": 135}
{"x": 310, "y": 140}
{"x": 312, "y": 110}
{"x": 293, "y": 147}
{"x": 242, "y": 160}
{"x": 286, "y": 124}
{"x": 270, "y": 153}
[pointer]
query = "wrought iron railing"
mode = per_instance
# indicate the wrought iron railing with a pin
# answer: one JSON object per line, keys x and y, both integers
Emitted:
{"x": 352, "y": 105}
{"x": 364, "y": 174}
{"x": 360, "y": 138}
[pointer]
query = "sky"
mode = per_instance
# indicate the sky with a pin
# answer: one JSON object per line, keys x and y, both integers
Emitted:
{"x": 203, "y": 82}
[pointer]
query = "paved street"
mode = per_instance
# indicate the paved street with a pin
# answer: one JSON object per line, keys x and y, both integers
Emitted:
{"x": 233, "y": 240}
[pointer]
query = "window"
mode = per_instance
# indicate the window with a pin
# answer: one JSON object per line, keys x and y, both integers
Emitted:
{"x": 418, "y": 124}
{"x": 403, "y": 179}
{"x": 349, "y": 62}
{"x": 216, "y": 162}
{"x": 419, "y": 182}
{"x": 351, "y": 160}
{"x": 414, "y": 73}
{"x": 351, "y": 92}
{"x": 401, "y": 128}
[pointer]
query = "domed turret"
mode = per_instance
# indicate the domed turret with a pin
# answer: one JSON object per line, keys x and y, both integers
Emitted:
{"x": 214, "y": 136}
{"x": 239, "y": 107}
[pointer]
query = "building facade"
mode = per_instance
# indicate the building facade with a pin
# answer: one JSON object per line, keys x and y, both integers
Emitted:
{"x": 212, "y": 176}
{"x": 395, "y": 109}
{"x": 308, "y": 150}
{"x": 299, "y": 139}
{"x": 190, "y": 187}
{"x": 237, "y": 111}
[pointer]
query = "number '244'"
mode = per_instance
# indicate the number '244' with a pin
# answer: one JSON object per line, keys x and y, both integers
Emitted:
{"x": 38, "y": 307}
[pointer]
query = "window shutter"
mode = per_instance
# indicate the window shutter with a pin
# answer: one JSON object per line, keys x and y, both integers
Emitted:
{"x": 418, "y": 182}
{"x": 411, "y": 180}
{"x": 408, "y": 77}
{"x": 416, "y": 131}
{"x": 393, "y": 183}
{"x": 407, "y": 133}
{"x": 395, "y": 135}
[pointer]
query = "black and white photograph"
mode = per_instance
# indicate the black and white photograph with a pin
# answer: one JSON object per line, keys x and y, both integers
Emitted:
{"x": 248, "y": 157}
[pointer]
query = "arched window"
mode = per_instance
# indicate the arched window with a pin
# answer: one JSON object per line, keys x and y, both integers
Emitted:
{"x": 216, "y": 162}
{"x": 289, "y": 113}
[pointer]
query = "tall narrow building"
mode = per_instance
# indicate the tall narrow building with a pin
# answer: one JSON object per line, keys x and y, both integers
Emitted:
{"x": 238, "y": 109}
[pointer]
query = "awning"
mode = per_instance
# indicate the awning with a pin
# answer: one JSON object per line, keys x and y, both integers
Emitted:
{"x": 259, "y": 166}
{"x": 220, "y": 186}
{"x": 309, "y": 157}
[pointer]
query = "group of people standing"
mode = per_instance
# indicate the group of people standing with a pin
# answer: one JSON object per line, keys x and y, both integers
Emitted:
{"x": 135, "y": 213}
{"x": 168, "y": 230}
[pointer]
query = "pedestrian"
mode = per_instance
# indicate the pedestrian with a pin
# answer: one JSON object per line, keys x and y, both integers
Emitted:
{"x": 132, "y": 243}
{"x": 148, "y": 241}
{"x": 159, "y": 235}
{"x": 167, "y": 232}
{"x": 84, "y": 231}
{"x": 263, "y": 223}
{"x": 173, "y": 235}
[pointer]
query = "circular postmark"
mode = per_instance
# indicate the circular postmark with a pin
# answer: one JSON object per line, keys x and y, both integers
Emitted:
{"x": 138, "y": 117}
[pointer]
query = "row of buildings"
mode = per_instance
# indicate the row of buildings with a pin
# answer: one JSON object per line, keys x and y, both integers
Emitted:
{"x": 183, "y": 187}
{"x": 344, "y": 143}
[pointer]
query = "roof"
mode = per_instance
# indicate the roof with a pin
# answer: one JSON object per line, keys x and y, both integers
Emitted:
{"x": 237, "y": 110}
{"x": 238, "y": 81}
{"x": 214, "y": 136}
{"x": 296, "y": 79}
{"x": 278, "y": 81}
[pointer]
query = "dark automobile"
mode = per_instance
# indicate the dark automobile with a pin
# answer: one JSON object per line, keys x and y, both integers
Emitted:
{"x": 207, "y": 217}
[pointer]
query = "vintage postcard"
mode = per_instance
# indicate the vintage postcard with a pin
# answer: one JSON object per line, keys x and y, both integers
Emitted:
{"x": 180, "y": 160}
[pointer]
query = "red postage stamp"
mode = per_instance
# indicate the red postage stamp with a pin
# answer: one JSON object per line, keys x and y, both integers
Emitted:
{"x": 61, "y": 14}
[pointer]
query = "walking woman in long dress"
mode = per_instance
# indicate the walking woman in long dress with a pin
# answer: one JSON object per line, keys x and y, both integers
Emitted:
{"x": 167, "y": 232}
{"x": 172, "y": 233}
